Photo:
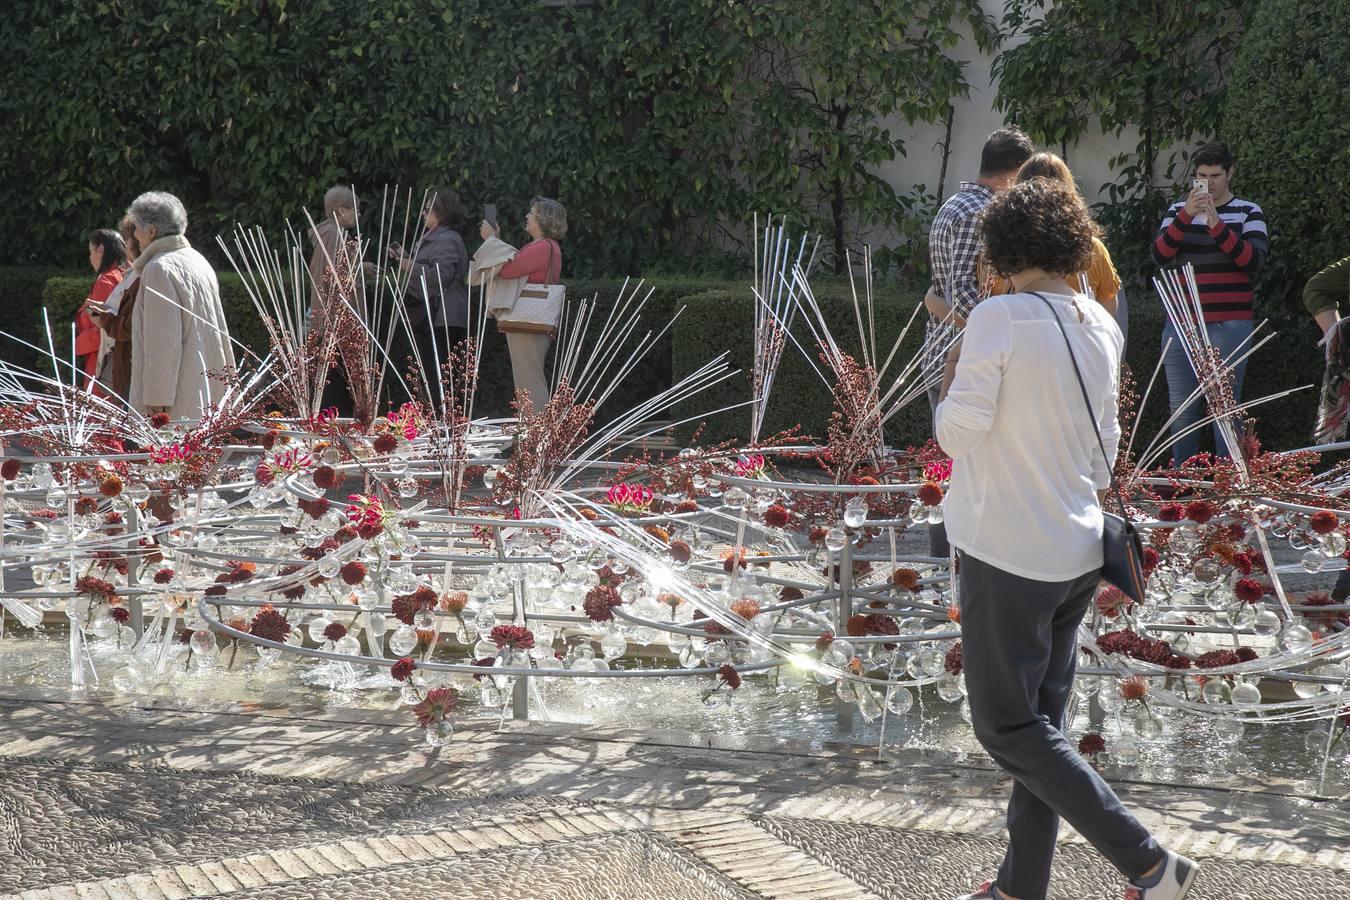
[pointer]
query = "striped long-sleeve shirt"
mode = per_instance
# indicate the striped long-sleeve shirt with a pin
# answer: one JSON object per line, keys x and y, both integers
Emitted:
{"x": 1226, "y": 254}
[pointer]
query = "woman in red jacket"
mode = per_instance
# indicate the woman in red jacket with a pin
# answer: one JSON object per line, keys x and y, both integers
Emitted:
{"x": 538, "y": 262}
{"x": 107, "y": 257}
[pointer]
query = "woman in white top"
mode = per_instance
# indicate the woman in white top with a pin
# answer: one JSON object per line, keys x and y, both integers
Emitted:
{"x": 1024, "y": 512}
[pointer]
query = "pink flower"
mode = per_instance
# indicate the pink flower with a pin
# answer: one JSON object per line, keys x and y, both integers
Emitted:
{"x": 171, "y": 453}
{"x": 750, "y": 465}
{"x": 940, "y": 470}
{"x": 629, "y": 497}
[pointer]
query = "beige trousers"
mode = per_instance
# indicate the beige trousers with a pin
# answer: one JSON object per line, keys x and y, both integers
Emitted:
{"x": 527, "y": 365}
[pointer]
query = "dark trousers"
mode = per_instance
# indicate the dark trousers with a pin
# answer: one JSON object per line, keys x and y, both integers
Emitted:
{"x": 1020, "y": 648}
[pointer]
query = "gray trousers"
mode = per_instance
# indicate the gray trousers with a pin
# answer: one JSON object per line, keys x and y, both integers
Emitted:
{"x": 1020, "y": 648}
{"x": 527, "y": 365}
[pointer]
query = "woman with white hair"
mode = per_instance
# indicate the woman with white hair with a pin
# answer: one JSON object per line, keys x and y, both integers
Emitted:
{"x": 538, "y": 262}
{"x": 180, "y": 342}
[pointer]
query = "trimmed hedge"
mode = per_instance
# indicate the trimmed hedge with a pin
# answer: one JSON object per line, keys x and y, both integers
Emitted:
{"x": 724, "y": 320}
{"x": 1287, "y": 121}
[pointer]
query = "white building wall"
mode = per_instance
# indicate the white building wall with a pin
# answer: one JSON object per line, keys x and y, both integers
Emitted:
{"x": 974, "y": 119}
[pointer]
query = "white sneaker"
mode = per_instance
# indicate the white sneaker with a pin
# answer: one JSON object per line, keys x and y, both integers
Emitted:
{"x": 983, "y": 892}
{"x": 1178, "y": 875}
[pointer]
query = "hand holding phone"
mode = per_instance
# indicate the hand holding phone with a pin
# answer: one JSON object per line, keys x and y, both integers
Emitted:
{"x": 490, "y": 215}
{"x": 395, "y": 251}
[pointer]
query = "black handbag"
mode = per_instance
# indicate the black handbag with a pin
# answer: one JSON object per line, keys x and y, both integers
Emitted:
{"x": 1122, "y": 548}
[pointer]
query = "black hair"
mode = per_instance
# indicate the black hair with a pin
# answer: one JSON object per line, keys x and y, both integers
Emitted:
{"x": 1004, "y": 151}
{"x": 1215, "y": 153}
{"x": 449, "y": 209}
{"x": 114, "y": 248}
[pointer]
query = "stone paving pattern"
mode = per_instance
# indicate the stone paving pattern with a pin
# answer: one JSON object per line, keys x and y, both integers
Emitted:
{"x": 105, "y": 799}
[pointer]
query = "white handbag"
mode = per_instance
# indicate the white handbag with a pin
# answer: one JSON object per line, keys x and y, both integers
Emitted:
{"x": 538, "y": 309}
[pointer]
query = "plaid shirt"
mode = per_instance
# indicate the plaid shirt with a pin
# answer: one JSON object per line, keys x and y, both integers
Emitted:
{"x": 953, "y": 247}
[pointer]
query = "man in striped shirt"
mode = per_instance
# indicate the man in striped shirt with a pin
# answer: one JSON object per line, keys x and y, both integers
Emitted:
{"x": 1224, "y": 238}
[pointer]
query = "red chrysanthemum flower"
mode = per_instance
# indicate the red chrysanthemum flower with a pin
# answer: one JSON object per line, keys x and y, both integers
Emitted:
{"x": 164, "y": 576}
{"x": 777, "y": 516}
{"x": 405, "y": 607}
{"x": 955, "y": 659}
{"x": 1249, "y": 590}
{"x": 185, "y": 636}
{"x": 354, "y": 572}
{"x": 730, "y": 677}
{"x": 930, "y": 494}
{"x": 386, "y": 443}
{"x": 824, "y": 641}
{"x": 817, "y": 534}
{"x": 403, "y": 669}
{"x": 680, "y": 551}
{"x": 1151, "y": 560}
{"x": 1200, "y": 511}
{"x": 269, "y": 440}
{"x": 86, "y": 506}
{"x": 600, "y": 602}
{"x": 91, "y": 586}
{"x": 270, "y": 625}
{"x": 733, "y": 559}
{"x": 120, "y": 614}
{"x": 1111, "y": 601}
{"x": 344, "y": 534}
{"x": 9, "y": 469}
{"x": 954, "y": 614}
{"x": 905, "y": 579}
{"x": 517, "y": 637}
{"x": 159, "y": 420}
{"x": 1091, "y": 744}
{"x": 436, "y": 706}
{"x": 317, "y": 507}
{"x": 326, "y": 478}
{"x": 110, "y": 487}
{"x": 1324, "y": 522}
{"x": 686, "y": 506}
{"x": 1245, "y": 654}
{"x": 1171, "y": 512}
{"x": 1134, "y": 688}
{"x": 1215, "y": 659}
{"x": 789, "y": 594}
{"x": 335, "y": 632}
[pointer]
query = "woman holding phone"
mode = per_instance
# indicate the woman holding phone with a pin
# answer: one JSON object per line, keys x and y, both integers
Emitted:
{"x": 437, "y": 296}
{"x": 538, "y": 262}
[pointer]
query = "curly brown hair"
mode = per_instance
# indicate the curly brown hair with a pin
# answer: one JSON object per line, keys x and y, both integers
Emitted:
{"x": 1038, "y": 224}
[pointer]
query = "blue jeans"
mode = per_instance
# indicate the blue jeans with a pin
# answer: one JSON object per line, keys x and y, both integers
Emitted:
{"x": 1181, "y": 382}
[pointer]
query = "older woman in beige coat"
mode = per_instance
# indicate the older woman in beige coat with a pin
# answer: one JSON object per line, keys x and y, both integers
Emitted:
{"x": 180, "y": 342}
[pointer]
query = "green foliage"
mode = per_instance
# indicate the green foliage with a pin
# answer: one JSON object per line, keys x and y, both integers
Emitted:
{"x": 661, "y": 124}
{"x": 831, "y": 73}
{"x": 21, "y": 313}
{"x": 1162, "y": 68}
{"x": 1288, "y": 121}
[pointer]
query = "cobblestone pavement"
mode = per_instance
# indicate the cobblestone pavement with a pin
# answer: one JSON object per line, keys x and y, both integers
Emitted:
{"x": 109, "y": 800}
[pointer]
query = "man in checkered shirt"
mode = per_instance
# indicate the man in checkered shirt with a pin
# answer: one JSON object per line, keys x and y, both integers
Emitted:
{"x": 954, "y": 246}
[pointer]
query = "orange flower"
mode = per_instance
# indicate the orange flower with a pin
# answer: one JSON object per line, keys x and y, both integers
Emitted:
{"x": 1134, "y": 688}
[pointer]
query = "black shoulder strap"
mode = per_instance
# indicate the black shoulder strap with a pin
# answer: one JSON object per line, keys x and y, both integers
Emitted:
{"x": 1092, "y": 416}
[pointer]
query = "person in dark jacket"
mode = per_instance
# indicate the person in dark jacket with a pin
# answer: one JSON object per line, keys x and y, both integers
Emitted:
{"x": 437, "y": 297}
